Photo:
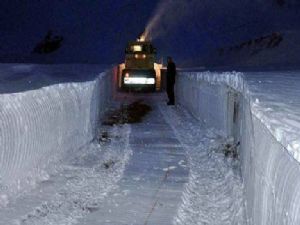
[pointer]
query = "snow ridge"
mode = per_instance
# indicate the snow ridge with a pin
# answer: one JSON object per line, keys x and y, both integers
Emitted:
{"x": 38, "y": 126}
{"x": 273, "y": 97}
{"x": 261, "y": 111}
{"x": 233, "y": 79}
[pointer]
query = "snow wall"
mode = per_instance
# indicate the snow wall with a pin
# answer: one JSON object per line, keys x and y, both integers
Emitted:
{"x": 38, "y": 126}
{"x": 270, "y": 172}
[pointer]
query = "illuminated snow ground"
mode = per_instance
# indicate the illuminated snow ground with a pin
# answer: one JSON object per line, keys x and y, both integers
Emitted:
{"x": 177, "y": 175}
{"x": 151, "y": 182}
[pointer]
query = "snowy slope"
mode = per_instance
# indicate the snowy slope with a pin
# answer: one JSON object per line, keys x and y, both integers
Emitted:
{"x": 24, "y": 77}
{"x": 248, "y": 54}
{"x": 92, "y": 31}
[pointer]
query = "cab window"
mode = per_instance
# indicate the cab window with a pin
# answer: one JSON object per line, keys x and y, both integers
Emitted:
{"x": 136, "y": 48}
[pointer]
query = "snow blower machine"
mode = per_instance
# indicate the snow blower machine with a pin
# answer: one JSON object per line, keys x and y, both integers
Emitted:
{"x": 140, "y": 72}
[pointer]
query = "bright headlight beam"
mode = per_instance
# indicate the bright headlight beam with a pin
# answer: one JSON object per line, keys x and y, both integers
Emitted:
{"x": 139, "y": 80}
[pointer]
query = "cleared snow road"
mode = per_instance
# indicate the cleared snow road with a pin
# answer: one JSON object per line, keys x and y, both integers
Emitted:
{"x": 214, "y": 192}
{"x": 166, "y": 170}
{"x": 150, "y": 190}
{"x": 177, "y": 175}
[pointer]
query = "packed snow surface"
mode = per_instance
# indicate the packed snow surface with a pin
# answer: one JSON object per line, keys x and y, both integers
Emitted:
{"x": 214, "y": 192}
{"x": 177, "y": 174}
{"x": 276, "y": 103}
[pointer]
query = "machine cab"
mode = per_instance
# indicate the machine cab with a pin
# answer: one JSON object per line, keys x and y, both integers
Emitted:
{"x": 139, "y": 71}
{"x": 140, "y": 55}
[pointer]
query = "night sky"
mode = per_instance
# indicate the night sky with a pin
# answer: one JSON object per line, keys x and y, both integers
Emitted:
{"x": 97, "y": 31}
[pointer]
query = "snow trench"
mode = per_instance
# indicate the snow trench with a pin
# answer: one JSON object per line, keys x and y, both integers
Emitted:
{"x": 270, "y": 172}
{"x": 37, "y": 127}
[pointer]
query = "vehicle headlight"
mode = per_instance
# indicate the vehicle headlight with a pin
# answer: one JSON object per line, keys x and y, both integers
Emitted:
{"x": 139, "y": 80}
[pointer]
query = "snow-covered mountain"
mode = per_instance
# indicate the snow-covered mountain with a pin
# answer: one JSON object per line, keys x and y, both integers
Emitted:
{"x": 197, "y": 31}
{"x": 278, "y": 50}
{"x": 192, "y": 31}
{"x": 92, "y": 31}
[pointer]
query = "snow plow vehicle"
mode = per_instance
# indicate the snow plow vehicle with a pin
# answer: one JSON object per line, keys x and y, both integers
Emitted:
{"x": 140, "y": 72}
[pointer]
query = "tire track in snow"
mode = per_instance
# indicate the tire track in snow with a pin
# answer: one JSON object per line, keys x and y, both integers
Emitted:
{"x": 214, "y": 193}
{"x": 81, "y": 184}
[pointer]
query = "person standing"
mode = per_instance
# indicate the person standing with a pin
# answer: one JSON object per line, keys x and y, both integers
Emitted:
{"x": 171, "y": 73}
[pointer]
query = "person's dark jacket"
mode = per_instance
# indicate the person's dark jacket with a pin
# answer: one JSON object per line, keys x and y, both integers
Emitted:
{"x": 171, "y": 73}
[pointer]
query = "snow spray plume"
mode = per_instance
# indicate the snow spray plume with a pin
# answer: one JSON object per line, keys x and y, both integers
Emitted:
{"x": 169, "y": 13}
{"x": 156, "y": 19}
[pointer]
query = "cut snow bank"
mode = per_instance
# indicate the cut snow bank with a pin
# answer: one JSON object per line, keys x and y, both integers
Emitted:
{"x": 261, "y": 111}
{"x": 39, "y": 126}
